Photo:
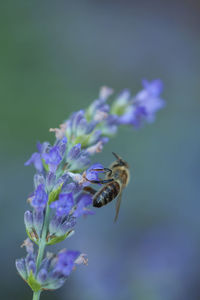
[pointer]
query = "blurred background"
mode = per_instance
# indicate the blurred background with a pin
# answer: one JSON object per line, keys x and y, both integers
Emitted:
{"x": 54, "y": 56}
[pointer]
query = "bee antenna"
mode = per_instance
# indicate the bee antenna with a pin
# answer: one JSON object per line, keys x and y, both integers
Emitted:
{"x": 120, "y": 160}
{"x": 117, "y": 156}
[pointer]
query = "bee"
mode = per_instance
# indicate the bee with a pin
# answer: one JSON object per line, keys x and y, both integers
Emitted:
{"x": 117, "y": 178}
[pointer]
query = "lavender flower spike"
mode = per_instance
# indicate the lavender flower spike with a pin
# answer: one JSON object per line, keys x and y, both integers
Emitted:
{"x": 64, "y": 170}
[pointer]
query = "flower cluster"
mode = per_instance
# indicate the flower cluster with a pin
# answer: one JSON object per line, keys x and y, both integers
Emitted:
{"x": 62, "y": 172}
{"x": 53, "y": 269}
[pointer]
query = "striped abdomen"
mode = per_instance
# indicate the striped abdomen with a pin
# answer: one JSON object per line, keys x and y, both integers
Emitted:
{"x": 106, "y": 194}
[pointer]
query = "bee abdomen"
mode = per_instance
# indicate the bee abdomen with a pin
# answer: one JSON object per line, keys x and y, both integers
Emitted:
{"x": 106, "y": 194}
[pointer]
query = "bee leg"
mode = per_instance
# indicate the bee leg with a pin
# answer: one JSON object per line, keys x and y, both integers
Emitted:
{"x": 90, "y": 190}
{"x": 109, "y": 171}
{"x": 101, "y": 181}
{"x": 104, "y": 170}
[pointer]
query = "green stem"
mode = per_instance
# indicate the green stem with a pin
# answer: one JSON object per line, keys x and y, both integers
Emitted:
{"x": 42, "y": 245}
{"x": 36, "y": 295}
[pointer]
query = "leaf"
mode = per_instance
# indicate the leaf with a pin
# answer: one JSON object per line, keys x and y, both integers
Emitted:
{"x": 118, "y": 109}
{"x": 58, "y": 239}
{"x": 32, "y": 282}
{"x": 83, "y": 139}
{"x": 46, "y": 167}
{"x": 31, "y": 237}
{"x": 53, "y": 196}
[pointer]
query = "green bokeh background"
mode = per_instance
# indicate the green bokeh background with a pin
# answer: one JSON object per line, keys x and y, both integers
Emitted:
{"x": 54, "y": 56}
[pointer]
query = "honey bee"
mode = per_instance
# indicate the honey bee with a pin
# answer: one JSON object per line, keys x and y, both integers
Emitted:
{"x": 117, "y": 178}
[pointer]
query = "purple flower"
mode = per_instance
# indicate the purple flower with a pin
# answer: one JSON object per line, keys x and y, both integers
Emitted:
{"x": 72, "y": 187}
{"x": 74, "y": 153}
{"x": 134, "y": 115}
{"x": 77, "y": 159}
{"x": 144, "y": 106}
{"x": 149, "y": 98}
{"x": 84, "y": 127}
{"x": 110, "y": 125}
{"x": 62, "y": 145}
{"x": 77, "y": 125}
{"x": 97, "y": 106}
{"x": 64, "y": 204}
{"x": 54, "y": 155}
{"x": 67, "y": 225}
{"x": 95, "y": 137}
{"x": 30, "y": 263}
{"x": 28, "y": 220}
{"x": 38, "y": 179}
{"x": 38, "y": 219}
{"x": 99, "y": 109}
{"x": 21, "y": 267}
{"x": 66, "y": 261}
{"x": 42, "y": 275}
{"x": 93, "y": 171}
{"x": 154, "y": 87}
{"x": 84, "y": 200}
{"x": 121, "y": 102}
{"x": 52, "y": 158}
{"x": 36, "y": 159}
{"x": 50, "y": 180}
{"x": 40, "y": 197}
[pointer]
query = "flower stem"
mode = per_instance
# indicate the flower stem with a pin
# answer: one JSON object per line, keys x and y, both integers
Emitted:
{"x": 36, "y": 295}
{"x": 42, "y": 244}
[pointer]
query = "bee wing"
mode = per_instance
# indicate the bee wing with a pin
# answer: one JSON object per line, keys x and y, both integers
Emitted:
{"x": 118, "y": 206}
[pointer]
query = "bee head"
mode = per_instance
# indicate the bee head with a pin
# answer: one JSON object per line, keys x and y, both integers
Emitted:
{"x": 120, "y": 161}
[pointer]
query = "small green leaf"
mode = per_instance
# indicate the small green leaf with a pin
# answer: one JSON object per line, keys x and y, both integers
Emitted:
{"x": 84, "y": 140}
{"x": 118, "y": 109}
{"x": 32, "y": 282}
{"x": 88, "y": 114}
{"x": 46, "y": 167}
{"x": 31, "y": 238}
{"x": 53, "y": 196}
{"x": 58, "y": 239}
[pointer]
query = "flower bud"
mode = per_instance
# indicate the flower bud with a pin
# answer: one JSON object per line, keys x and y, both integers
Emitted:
{"x": 54, "y": 224}
{"x": 50, "y": 180}
{"x": 54, "y": 283}
{"x": 21, "y": 267}
{"x": 28, "y": 220}
{"x": 45, "y": 264}
{"x": 66, "y": 226}
{"x": 42, "y": 276}
{"x": 31, "y": 266}
{"x": 38, "y": 218}
{"x": 74, "y": 153}
{"x": 30, "y": 263}
{"x": 38, "y": 179}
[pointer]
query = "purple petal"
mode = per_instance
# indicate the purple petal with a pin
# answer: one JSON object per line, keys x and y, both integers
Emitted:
{"x": 35, "y": 159}
{"x": 65, "y": 262}
{"x": 154, "y": 87}
{"x": 92, "y": 172}
{"x": 40, "y": 197}
{"x": 53, "y": 157}
{"x": 83, "y": 201}
{"x": 64, "y": 204}
{"x": 74, "y": 153}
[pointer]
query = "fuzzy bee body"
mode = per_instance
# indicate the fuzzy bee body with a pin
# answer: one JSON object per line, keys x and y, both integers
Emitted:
{"x": 106, "y": 194}
{"x": 116, "y": 180}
